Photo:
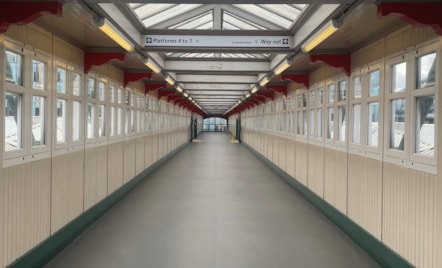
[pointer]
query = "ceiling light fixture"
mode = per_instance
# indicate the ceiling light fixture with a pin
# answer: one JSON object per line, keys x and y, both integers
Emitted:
{"x": 247, "y": 95}
{"x": 185, "y": 94}
{"x": 179, "y": 89}
{"x": 264, "y": 81}
{"x": 282, "y": 66}
{"x": 254, "y": 89}
{"x": 110, "y": 30}
{"x": 326, "y": 31}
{"x": 169, "y": 80}
{"x": 152, "y": 65}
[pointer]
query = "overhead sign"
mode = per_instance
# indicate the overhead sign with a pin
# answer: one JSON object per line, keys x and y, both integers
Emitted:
{"x": 218, "y": 41}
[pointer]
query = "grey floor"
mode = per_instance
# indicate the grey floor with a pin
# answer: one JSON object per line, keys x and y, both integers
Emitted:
{"x": 213, "y": 205}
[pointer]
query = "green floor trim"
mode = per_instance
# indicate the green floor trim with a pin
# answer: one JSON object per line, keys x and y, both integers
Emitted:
{"x": 385, "y": 256}
{"x": 49, "y": 248}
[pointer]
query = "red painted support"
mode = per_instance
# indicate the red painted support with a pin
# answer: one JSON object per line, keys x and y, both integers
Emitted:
{"x": 132, "y": 77}
{"x": 20, "y": 13}
{"x": 152, "y": 87}
{"x": 278, "y": 88}
{"x": 268, "y": 95}
{"x": 165, "y": 93}
{"x": 260, "y": 99}
{"x": 297, "y": 78}
{"x": 100, "y": 58}
{"x": 415, "y": 13}
{"x": 173, "y": 98}
{"x": 335, "y": 60}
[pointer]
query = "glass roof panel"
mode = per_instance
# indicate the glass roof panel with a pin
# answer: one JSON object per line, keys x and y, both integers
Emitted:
{"x": 148, "y": 10}
{"x": 290, "y": 12}
{"x": 239, "y": 22}
{"x": 199, "y": 22}
{"x": 167, "y": 14}
{"x": 265, "y": 14}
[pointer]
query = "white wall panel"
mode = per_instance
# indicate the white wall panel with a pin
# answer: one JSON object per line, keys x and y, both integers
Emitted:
{"x": 365, "y": 193}
{"x": 95, "y": 179}
{"x": 26, "y": 207}
{"x": 67, "y": 189}
{"x": 291, "y": 164}
{"x": 139, "y": 158}
{"x": 129, "y": 160}
{"x": 301, "y": 162}
{"x": 115, "y": 169}
{"x": 316, "y": 169}
{"x": 147, "y": 151}
{"x": 408, "y": 215}
{"x": 283, "y": 154}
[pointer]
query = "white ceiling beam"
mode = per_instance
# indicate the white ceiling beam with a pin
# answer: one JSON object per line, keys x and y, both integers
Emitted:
{"x": 217, "y": 66}
{"x": 187, "y": 15}
{"x": 215, "y": 87}
{"x": 252, "y": 18}
{"x": 228, "y": 79}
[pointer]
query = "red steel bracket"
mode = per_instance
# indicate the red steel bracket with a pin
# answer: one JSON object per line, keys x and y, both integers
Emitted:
{"x": 415, "y": 13}
{"x": 173, "y": 98}
{"x": 336, "y": 60}
{"x": 297, "y": 78}
{"x": 20, "y": 13}
{"x": 152, "y": 87}
{"x": 278, "y": 88}
{"x": 100, "y": 58}
{"x": 267, "y": 95}
{"x": 132, "y": 77}
{"x": 165, "y": 93}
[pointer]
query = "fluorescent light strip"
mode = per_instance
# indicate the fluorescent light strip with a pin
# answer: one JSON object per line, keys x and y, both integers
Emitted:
{"x": 325, "y": 32}
{"x": 282, "y": 67}
{"x": 264, "y": 81}
{"x": 169, "y": 80}
{"x": 153, "y": 66}
{"x": 110, "y": 30}
{"x": 254, "y": 89}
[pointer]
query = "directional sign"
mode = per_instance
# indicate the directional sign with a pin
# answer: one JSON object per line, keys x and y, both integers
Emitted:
{"x": 218, "y": 41}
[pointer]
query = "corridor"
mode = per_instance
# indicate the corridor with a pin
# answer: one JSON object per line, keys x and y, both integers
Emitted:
{"x": 214, "y": 204}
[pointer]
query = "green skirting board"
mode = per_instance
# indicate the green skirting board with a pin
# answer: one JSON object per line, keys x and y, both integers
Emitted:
{"x": 385, "y": 256}
{"x": 49, "y": 248}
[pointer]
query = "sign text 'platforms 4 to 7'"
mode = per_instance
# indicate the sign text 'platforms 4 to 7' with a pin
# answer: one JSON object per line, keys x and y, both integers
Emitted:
{"x": 218, "y": 41}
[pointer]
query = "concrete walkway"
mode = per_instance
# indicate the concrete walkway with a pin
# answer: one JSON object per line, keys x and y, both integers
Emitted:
{"x": 213, "y": 205}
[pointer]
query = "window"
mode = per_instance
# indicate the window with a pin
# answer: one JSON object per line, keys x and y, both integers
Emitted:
{"x": 319, "y": 112}
{"x": 101, "y": 109}
{"x": 411, "y": 105}
{"x": 26, "y": 95}
{"x": 342, "y": 110}
{"x": 77, "y": 108}
{"x": 61, "y": 106}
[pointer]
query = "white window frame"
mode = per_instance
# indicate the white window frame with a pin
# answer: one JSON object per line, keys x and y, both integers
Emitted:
{"x": 341, "y": 145}
{"x": 27, "y": 153}
{"x": 407, "y": 157}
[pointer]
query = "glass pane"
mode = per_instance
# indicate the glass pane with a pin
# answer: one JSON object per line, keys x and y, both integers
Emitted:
{"x": 76, "y": 122}
{"x": 299, "y": 101}
{"x": 320, "y": 95}
{"x": 61, "y": 81}
{"x": 342, "y": 90}
{"x": 90, "y": 120}
{"x": 101, "y": 86}
{"x": 374, "y": 83}
{"x": 342, "y": 123}
{"x": 76, "y": 82}
{"x": 312, "y": 123}
{"x": 312, "y": 98}
{"x": 13, "y": 121}
{"x": 14, "y": 68}
{"x": 132, "y": 121}
{"x": 426, "y": 70}
{"x": 331, "y": 93}
{"x": 91, "y": 88}
{"x": 38, "y": 74}
{"x": 299, "y": 125}
{"x": 425, "y": 127}
{"x": 266, "y": 14}
{"x": 120, "y": 95}
{"x": 373, "y": 124}
{"x": 127, "y": 122}
{"x": 112, "y": 120}
{"x": 397, "y": 128}
{"x": 356, "y": 124}
{"x": 398, "y": 77}
{"x": 304, "y": 99}
{"x": 330, "y": 123}
{"x": 319, "y": 130}
{"x": 119, "y": 121}
{"x": 38, "y": 121}
{"x": 357, "y": 87}
{"x": 305, "y": 122}
{"x": 111, "y": 94}
{"x": 61, "y": 120}
{"x": 127, "y": 97}
{"x": 101, "y": 121}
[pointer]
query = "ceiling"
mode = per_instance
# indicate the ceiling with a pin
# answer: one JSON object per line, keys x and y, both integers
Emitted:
{"x": 238, "y": 44}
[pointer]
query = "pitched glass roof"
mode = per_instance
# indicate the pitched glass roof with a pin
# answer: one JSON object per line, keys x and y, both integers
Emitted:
{"x": 218, "y": 55}
{"x": 235, "y": 17}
